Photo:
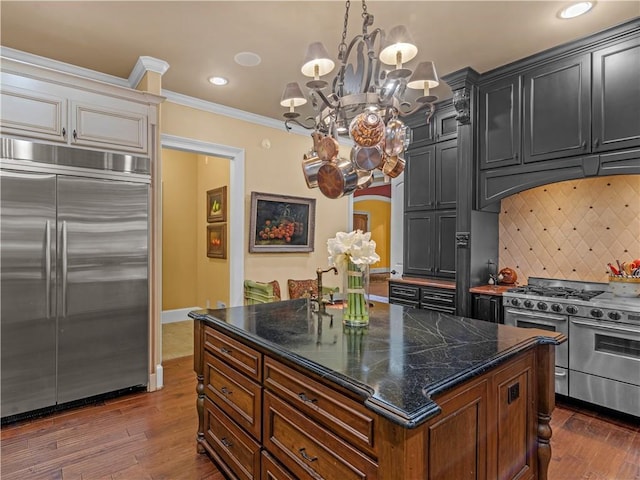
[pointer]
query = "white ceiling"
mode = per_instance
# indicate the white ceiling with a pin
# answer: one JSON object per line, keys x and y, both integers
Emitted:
{"x": 199, "y": 39}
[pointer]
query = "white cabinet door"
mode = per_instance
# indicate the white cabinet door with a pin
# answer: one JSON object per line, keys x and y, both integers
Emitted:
{"x": 29, "y": 113}
{"x": 119, "y": 126}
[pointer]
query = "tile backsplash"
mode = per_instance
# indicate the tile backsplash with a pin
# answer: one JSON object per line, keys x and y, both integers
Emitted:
{"x": 571, "y": 229}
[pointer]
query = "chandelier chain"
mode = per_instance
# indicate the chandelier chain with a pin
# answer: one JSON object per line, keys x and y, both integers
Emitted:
{"x": 342, "y": 48}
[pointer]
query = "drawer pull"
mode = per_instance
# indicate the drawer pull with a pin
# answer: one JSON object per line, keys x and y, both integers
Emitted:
{"x": 303, "y": 453}
{"x": 226, "y": 391}
{"x": 304, "y": 398}
{"x": 226, "y": 442}
{"x": 225, "y": 350}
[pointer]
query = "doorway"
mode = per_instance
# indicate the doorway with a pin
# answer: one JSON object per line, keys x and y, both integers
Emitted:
{"x": 176, "y": 326}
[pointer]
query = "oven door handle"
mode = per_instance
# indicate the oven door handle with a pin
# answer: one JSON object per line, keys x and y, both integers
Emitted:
{"x": 543, "y": 316}
{"x": 608, "y": 326}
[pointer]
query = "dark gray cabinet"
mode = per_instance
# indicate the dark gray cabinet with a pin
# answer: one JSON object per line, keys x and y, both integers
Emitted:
{"x": 441, "y": 126}
{"x": 488, "y": 308}
{"x": 429, "y": 243}
{"x": 428, "y": 297}
{"x": 556, "y": 109}
{"x": 431, "y": 176}
{"x": 616, "y": 97}
{"x": 420, "y": 179}
{"x": 499, "y": 123}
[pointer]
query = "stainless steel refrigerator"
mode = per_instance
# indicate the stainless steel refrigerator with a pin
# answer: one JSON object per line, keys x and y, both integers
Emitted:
{"x": 74, "y": 240}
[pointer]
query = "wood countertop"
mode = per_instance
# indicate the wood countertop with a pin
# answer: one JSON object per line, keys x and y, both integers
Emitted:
{"x": 426, "y": 282}
{"x": 491, "y": 289}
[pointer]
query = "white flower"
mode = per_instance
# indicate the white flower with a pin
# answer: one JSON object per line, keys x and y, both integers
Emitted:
{"x": 355, "y": 246}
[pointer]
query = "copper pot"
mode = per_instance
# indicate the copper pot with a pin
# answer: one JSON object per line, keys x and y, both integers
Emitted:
{"x": 367, "y": 129}
{"x": 310, "y": 166}
{"x": 327, "y": 148}
{"x": 367, "y": 158}
{"x": 365, "y": 179}
{"x": 395, "y": 135}
{"x": 336, "y": 179}
{"x": 393, "y": 166}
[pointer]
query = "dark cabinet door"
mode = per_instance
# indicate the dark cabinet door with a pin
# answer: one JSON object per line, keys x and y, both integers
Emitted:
{"x": 616, "y": 97}
{"x": 499, "y": 121}
{"x": 445, "y": 251}
{"x": 419, "y": 243}
{"x": 488, "y": 308}
{"x": 446, "y": 174}
{"x": 557, "y": 109}
{"x": 420, "y": 179}
{"x": 446, "y": 125}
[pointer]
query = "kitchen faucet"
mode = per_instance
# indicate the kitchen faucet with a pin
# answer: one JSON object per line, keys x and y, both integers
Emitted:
{"x": 321, "y": 306}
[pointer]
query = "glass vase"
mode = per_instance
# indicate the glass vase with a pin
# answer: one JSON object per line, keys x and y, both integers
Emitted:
{"x": 355, "y": 308}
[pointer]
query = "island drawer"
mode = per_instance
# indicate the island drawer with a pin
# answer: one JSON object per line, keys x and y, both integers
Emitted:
{"x": 308, "y": 450}
{"x": 272, "y": 470}
{"x": 234, "y": 353}
{"x": 229, "y": 444}
{"x": 238, "y": 396}
{"x": 340, "y": 414}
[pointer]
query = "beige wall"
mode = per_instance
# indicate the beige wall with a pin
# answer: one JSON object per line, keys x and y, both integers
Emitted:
{"x": 179, "y": 224}
{"x": 271, "y": 170}
{"x": 572, "y": 229}
{"x": 212, "y": 284}
{"x": 190, "y": 278}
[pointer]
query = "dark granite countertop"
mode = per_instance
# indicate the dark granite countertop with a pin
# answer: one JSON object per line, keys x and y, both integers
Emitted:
{"x": 404, "y": 358}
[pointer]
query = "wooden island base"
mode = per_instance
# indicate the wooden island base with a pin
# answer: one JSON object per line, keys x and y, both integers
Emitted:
{"x": 264, "y": 416}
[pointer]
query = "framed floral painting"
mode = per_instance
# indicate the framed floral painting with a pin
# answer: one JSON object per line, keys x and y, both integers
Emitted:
{"x": 281, "y": 223}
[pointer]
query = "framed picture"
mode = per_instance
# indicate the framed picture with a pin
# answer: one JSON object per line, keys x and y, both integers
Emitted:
{"x": 281, "y": 223}
{"x": 217, "y": 240}
{"x": 217, "y": 205}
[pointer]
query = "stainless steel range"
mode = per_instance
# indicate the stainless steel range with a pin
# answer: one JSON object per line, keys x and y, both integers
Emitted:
{"x": 600, "y": 363}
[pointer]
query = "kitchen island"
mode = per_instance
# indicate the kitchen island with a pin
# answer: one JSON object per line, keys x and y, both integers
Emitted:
{"x": 287, "y": 392}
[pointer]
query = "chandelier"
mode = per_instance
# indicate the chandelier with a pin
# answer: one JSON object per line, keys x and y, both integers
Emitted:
{"x": 365, "y": 100}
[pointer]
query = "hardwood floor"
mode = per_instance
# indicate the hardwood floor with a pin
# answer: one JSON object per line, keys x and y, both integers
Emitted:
{"x": 152, "y": 436}
{"x": 136, "y": 437}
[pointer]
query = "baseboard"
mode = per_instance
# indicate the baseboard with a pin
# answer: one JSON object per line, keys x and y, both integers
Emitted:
{"x": 177, "y": 315}
{"x": 376, "y": 298}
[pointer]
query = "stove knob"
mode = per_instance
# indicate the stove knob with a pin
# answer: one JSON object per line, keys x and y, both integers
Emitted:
{"x": 528, "y": 303}
{"x": 556, "y": 307}
{"x": 615, "y": 315}
{"x": 571, "y": 309}
{"x": 542, "y": 306}
{"x": 515, "y": 302}
{"x": 597, "y": 313}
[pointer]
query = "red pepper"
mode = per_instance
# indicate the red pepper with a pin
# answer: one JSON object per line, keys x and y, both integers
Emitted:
{"x": 613, "y": 269}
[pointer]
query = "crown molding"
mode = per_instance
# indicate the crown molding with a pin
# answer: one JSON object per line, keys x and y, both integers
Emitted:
{"x": 159, "y": 66}
{"x": 44, "y": 62}
{"x": 144, "y": 65}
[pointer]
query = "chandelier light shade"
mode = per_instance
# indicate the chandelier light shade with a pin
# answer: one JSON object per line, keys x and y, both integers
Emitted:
{"x": 425, "y": 78}
{"x": 365, "y": 100}
{"x": 316, "y": 61}
{"x": 292, "y": 97}
{"x": 398, "y": 47}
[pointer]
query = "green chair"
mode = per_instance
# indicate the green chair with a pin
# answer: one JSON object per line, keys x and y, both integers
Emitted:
{"x": 261, "y": 292}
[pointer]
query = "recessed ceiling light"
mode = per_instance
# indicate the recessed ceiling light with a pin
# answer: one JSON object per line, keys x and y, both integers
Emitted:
{"x": 218, "y": 80}
{"x": 247, "y": 59}
{"x": 576, "y": 9}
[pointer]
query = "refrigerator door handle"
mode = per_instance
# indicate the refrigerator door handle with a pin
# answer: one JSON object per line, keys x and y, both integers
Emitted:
{"x": 64, "y": 268}
{"x": 47, "y": 268}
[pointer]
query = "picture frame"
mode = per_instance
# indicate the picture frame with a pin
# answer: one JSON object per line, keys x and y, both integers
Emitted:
{"x": 281, "y": 223}
{"x": 217, "y": 205}
{"x": 217, "y": 240}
